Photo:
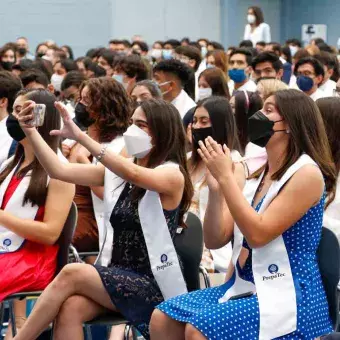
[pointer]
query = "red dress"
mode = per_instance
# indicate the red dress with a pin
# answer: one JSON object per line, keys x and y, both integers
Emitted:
{"x": 30, "y": 268}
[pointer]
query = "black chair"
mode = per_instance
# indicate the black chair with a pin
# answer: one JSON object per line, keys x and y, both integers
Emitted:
{"x": 64, "y": 242}
{"x": 189, "y": 246}
{"x": 328, "y": 255}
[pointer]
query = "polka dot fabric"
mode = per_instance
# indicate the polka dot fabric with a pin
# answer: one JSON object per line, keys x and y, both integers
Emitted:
{"x": 239, "y": 319}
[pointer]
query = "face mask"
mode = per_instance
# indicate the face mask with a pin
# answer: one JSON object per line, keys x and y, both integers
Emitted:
{"x": 260, "y": 129}
{"x": 7, "y": 65}
{"x": 304, "y": 83}
{"x": 122, "y": 53}
{"x": 56, "y": 81}
{"x": 200, "y": 135}
{"x": 137, "y": 142}
{"x": 22, "y": 51}
{"x": 210, "y": 66}
{"x": 251, "y": 18}
{"x": 167, "y": 54}
{"x": 293, "y": 50}
{"x": 14, "y": 129}
{"x": 237, "y": 75}
{"x": 119, "y": 78}
{"x": 204, "y": 93}
{"x": 82, "y": 115}
{"x": 165, "y": 83}
{"x": 156, "y": 53}
{"x": 204, "y": 51}
{"x": 40, "y": 55}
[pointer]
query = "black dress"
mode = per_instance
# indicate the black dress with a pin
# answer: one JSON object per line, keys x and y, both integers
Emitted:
{"x": 128, "y": 279}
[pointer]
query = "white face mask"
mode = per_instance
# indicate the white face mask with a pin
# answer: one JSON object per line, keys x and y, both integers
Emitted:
{"x": 56, "y": 81}
{"x": 137, "y": 142}
{"x": 293, "y": 50}
{"x": 204, "y": 93}
{"x": 156, "y": 53}
{"x": 251, "y": 18}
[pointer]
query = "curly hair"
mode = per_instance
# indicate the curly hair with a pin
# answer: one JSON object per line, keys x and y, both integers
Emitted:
{"x": 174, "y": 67}
{"x": 109, "y": 105}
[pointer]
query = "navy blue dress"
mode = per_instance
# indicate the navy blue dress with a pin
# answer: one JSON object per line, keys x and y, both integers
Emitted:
{"x": 128, "y": 279}
{"x": 239, "y": 319}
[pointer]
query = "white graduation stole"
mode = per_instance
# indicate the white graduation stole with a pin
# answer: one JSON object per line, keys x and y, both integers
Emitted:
{"x": 162, "y": 254}
{"x": 272, "y": 273}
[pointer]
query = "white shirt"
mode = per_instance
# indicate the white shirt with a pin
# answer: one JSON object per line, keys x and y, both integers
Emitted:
{"x": 183, "y": 103}
{"x": 260, "y": 33}
{"x": 328, "y": 88}
{"x": 248, "y": 86}
{"x": 317, "y": 95}
{"x": 5, "y": 141}
{"x": 201, "y": 68}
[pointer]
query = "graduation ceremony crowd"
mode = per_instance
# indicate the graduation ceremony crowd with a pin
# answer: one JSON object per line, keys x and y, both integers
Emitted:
{"x": 143, "y": 136}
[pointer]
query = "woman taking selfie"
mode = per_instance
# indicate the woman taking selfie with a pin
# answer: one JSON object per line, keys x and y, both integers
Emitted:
{"x": 144, "y": 202}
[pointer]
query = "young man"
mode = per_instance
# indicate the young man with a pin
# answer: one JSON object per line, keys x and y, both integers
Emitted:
{"x": 330, "y": 64}
{"x": 267, "y": 65}
{"x": 309, "y": 74}
{"x": 171, "y": 76}
{"x": 10, "y": 85}
{"x": 239, "y": 71}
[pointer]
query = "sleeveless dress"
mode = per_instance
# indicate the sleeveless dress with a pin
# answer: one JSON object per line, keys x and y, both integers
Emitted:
{"x": 128, "y": 279}
{"x": 239, "y": 319}
{"x": 30, "y": 268}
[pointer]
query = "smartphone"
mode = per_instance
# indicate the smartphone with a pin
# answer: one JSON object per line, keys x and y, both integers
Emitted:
{"x": 241, "y": 296}
{"x": 38, "y": 115}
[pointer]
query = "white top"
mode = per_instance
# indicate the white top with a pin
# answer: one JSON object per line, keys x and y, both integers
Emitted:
{"x": 5, "y": 141}
{"x": 248, "y": 86}
{"x": 317, "y": 95}
{"x": 328, "y": 88}
{"x": 292, "y": 82}
{"x": 183, "y": 103}
{"x": 331, "y": 217}
{"x": 260, "y": 33}
{"x": 201, "y": 68}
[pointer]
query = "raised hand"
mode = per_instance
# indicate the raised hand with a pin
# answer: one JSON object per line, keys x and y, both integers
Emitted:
{"x": 25, "y": 116}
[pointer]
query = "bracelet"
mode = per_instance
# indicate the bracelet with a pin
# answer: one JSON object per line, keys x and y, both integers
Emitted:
{"x": 101, "y": 154}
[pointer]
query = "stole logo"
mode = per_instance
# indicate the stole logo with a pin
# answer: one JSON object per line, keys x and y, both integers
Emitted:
{"x": 165, "y": 263}
{"x": 274, "y": 270}
{"x": 5, "y": 244}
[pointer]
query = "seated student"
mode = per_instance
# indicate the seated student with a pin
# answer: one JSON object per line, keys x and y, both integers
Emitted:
{"x": 34, "y": 208}
{"x": 98, "y": 98}
{"x": 267, "y": 87}
{"x": 330, "y": 108}
{"x": 71, "y": 85}
{"x": 129, "y": 70}
{"x": 171, "y": 76}
{"x": 60, "y": 69}
{"x": 240, "y": 70}
{"x": 155, "y": 187}
{"x": 279, "y": 223}
{"x": 35, "y": 79}
{"x": 10, "y": 85}
{"x": 212, "y": 117}
{"x": 145, "y": 90}
{"x": 267, "y": 65}
{"x": 261, "y": 46}
{"x": 105, "y": 60}
{"x": 309, "y": 74}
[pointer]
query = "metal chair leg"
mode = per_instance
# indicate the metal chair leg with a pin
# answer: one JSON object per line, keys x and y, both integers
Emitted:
{"x": 2, "y": 316}
{"x": 12, "y": 317}
{"x": 127, "y": 332}
{"x": 88, "y": 332}
{"x": 207, "y": 282}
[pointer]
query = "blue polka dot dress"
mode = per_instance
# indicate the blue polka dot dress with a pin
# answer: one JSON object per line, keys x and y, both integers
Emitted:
{"x": 239, "y": 319}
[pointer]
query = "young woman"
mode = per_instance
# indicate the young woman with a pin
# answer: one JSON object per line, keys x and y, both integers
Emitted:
{"x": 144, "y": 206}
{"x": 7, "y": 57}
{"x": 277, "y": 233}
{"x": 144, "y": 90}
{"x": 31, "y": 220}
{"x": 104, "y": 110}
{"x": 212, "y": 117}
{"x": 329, "y": 108}
{"x": 213, "y": 82}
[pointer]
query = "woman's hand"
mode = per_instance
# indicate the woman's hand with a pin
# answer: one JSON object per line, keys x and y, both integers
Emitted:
{"x": 70, "y": 129}
{"x": 25, "y": 116}
{"x": 217, "y": 159}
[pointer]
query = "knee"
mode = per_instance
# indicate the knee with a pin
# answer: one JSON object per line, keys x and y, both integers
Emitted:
{"x": 68, "y": 276}
{"x": 158, "y": 322}
{"x": 192, "y": 333}
{"x": 71, "y": 310}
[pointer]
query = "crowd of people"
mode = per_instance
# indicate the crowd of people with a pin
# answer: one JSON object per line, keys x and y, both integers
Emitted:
{"x": 138, "y": 136}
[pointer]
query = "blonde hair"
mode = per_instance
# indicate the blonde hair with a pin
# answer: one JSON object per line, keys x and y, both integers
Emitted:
{"x": 267, "y": 87}
{"x": 312, "y": 50}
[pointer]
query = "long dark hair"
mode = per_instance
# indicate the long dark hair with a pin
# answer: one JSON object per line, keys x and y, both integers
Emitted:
{"x": 37, "y": 190}
{"x": 168, "y": 138}
{"x": 223, "y": 125}
{"x": 217, "y": 81}
{"x": 246, "y": 104}
{"x": 307, "y": 135}
{"x": 258, "y": 14}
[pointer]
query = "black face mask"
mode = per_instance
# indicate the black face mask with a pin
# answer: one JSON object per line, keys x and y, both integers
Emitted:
{"x": 14, "y": 129}
{"x": 82, "y": 116}
{"x": 22, "y": 51}
{"x": 7, "y": 65}
{"x": 40, "y": 55}
{"x": 201, "y": 135}
{"x": 260, "y": 129}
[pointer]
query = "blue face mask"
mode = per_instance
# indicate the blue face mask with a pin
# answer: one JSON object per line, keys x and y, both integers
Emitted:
{"x": 119, "y": 78}
{"x": 167, "y": 54}
{"x": 304, "y": 83}
{"x": 237, "y": 75}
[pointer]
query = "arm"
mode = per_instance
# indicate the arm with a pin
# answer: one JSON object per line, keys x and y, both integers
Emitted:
{"x": 48, "y": 231}
{"x": 283, "y": 211}
{"x": 266, "y": 33}
{"x": 247, "y": 32}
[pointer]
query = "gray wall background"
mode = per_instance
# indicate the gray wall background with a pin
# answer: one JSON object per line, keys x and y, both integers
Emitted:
{"x": 89, "y": 23}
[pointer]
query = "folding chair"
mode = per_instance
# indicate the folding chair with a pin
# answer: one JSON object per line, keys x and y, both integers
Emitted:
{"x": 64, "y": 242}
{"x": 189, "y": 246}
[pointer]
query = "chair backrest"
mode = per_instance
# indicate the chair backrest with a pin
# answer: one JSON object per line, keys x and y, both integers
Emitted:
{"x": 66, "y": 237}
{"x": 328, "y": 255}
{"x": 189, "y": 247}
